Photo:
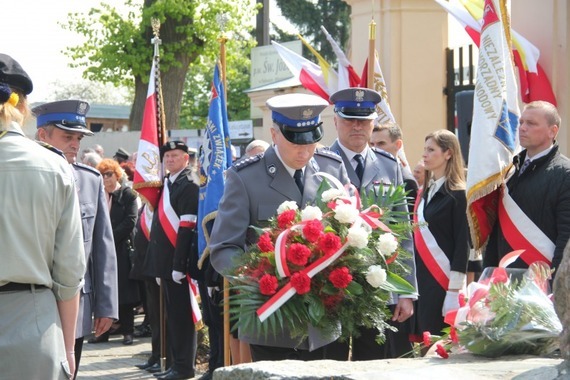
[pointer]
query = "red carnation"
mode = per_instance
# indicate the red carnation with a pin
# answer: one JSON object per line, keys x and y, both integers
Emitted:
{"x": 453, "y": 335}
{"x": 286, "y": 218}
{"x": 268, "y": 285}
{"x": 499, "y": 275}
{"x": 427, "y": 338}
{"x": 265, "y": 244}
{"x": 441, "y": 351}
{"x": 462, "y": 301}
{"x": 301, "y": 282}
{"x": 340, "y": 277}
{"x": 298, "y": 254}
{"x": 329, "y": 243}
{"x": 330, "y": 301}
{"x": 313, "y": 230}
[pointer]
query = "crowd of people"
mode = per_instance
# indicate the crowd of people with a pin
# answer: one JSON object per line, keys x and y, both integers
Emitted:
{"x": 90, "y": 252}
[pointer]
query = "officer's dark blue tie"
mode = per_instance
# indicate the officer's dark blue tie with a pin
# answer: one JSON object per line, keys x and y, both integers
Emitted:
{"x": 299, "y": 179}
{"x": 359, "y": 166}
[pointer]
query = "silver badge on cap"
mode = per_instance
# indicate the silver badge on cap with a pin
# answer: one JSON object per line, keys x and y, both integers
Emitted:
{"x": 308, "y": 113}
{"x": 172, "y": 145}
{"x": 82, "y": 108}
{"x": 359, "y": 95}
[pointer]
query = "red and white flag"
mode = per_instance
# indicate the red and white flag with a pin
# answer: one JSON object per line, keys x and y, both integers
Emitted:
{"x": 383, "y": 108}
{"x": 347, "y": 76}
{"x": 309, "y": 74}
{"x": 147, "y": 180}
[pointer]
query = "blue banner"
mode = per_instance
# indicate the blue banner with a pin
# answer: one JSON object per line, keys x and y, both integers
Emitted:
{"x": 215, "y": 158}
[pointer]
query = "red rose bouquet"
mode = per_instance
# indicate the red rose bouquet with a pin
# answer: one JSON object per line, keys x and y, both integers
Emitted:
{"x": 330, "y": 263}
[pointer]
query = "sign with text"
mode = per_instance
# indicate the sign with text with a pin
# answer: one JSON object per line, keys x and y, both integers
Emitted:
{"x": 241, "y": 130}
{"x": 266, "y": 65}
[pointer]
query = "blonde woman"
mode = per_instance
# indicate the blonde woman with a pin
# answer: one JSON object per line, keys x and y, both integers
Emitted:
{"x": 441, "y": 243}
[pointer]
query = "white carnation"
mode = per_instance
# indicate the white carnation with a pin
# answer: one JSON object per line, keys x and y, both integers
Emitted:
{"x": 345, "y": 213}
{"x": 311, "y": 212}
{"x": 331, "y": 194}
{"x": 386, "y": 244}
{"x": 376, "y": 276}
{"x": 287, "y": 205}
{"x": 357, "y": 237}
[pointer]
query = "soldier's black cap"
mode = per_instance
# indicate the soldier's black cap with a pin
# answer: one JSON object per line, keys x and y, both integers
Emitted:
{"x": 68, "y": 115}
{"x": 356, "y": 103}
{"x": 298, "y": 116}
{"x": 172, "y": 145}
{"x": 122, "y": 153}
{"x": 12, "y": 74}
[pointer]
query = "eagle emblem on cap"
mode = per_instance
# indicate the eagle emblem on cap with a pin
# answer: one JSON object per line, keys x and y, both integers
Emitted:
{"x": 172, "y": 145}
{"x": 359, "y": 95}
{"x": 82, "y": 108}
{"x": 308, "y": 113}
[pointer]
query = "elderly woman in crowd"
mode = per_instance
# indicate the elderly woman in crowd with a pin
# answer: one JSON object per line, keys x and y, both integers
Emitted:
{"x": 123, "y": 211}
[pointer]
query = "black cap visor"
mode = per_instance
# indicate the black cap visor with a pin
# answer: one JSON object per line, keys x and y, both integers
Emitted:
{"x": 303, "y": 135}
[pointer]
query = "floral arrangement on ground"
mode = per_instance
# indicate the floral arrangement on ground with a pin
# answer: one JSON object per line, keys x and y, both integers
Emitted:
{"x": 507, "y": 312}
{"x": 333, "y": 263}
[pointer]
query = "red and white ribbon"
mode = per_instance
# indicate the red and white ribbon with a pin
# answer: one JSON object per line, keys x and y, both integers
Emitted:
{"x": 167, "y": 216}
{"x": 193, "y": 287}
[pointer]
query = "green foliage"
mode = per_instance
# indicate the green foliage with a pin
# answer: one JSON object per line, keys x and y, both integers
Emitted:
{"x": 308, "y": 16}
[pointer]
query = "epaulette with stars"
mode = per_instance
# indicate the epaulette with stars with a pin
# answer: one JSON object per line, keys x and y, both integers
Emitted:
{"x": 326, "y": 152}
{"x": 51, "y": 147}
{"x": 245, "y": 162}
{"x": 383, "y": 153}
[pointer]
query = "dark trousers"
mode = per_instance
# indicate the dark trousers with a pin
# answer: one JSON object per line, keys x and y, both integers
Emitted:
{"x": 78, "y": 348}
{"x": 152, "y": 310}
{"x": 397, "y": 343}
{"x": 127, "y": 318}
{"x": 213, "y": 318}
{"x": 180, "y": 327}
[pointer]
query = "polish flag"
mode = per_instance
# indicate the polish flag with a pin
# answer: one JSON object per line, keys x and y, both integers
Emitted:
{"x": 347, "y": 76}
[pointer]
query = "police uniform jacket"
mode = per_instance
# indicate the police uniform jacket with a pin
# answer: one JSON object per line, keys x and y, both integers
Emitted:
{"x": 123, "y": 219}
{"x": 162, "y": 258}
{"x": 254, "y": 189}
{"x": 99, "y": 296}
{"x": 381, "y": 169}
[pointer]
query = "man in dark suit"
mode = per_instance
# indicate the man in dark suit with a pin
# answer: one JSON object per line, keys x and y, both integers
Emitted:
{"x": 172, "y": 246}
{"x": 371, "y": 169}
{"x": 62, "y": 125}
{"x": 256, "y": 186}
{"x": 388, "y": 137}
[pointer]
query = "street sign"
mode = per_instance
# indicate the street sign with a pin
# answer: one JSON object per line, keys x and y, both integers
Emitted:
{"x": 241, "y": 130}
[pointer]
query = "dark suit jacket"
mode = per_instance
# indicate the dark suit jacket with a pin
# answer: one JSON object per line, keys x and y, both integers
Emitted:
{"x": 123, "y": 219}
{"x": 99, "y": 296}
{"x": 162, "y": 258}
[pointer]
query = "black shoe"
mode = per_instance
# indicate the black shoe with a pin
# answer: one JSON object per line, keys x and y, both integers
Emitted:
{"x": 149, "y": 363}
{"x": 160, "y": 374}
{"x": 175, "y": 375}
{"x": 99, "y": 339}
{"x": 142, "y": 332}
{"x": 155, "y": 368}
{"x": 127, "y": 339}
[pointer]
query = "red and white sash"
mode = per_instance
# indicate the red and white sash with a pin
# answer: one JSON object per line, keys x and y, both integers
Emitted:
{"x": 431, "y": 254}
{"x": 146, "y": 221}
{"x": 521, "y": 232}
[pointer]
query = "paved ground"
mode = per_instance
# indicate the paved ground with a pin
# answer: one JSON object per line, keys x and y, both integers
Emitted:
{"x": 113, "y": 360}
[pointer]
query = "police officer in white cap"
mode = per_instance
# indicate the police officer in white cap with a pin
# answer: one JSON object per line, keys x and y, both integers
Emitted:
{"x": 256, "y": 186}
{"x": 372, "y": 169}
{"x": 63, "y": 125}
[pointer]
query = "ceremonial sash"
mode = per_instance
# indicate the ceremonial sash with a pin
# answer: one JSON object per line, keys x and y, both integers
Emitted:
{"x": 431, "y": 254}
{"x": 146, "y": 221}
{"x": 167, "y": 216}
{"x": 521, "y": 232}
{"x": 196, "y": 313}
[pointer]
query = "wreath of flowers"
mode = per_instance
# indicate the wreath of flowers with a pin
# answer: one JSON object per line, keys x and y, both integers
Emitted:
{"x": 333, "y": 263}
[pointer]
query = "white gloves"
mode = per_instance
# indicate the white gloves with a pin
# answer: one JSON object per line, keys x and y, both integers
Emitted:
{"x": 177, "y": 276}
{"x": 451, "y": 302}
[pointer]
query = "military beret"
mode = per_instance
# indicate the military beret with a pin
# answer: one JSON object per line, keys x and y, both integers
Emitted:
{"x": 172, "y": 145}
{"x": 12, "y": 74}
{"x": 122, "y": 153}
{"x": 356, "y": 103}
{"x": 68, "y": 115}
{"x": 298, "y": 116}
